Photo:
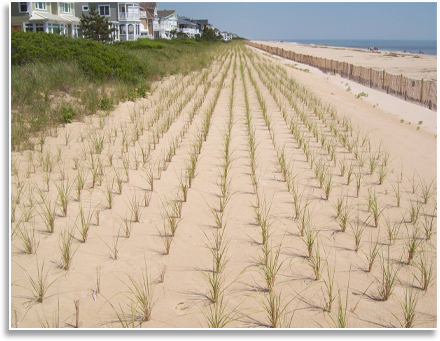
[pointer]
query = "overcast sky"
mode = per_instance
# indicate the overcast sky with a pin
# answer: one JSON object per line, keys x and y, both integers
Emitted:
{"x": 319, "y": 20}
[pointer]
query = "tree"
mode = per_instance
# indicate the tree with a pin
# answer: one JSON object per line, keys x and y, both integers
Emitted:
{"x": 96, "y": 27}
{"x": 173, "y": 32}
{"x": 208, "y": 34}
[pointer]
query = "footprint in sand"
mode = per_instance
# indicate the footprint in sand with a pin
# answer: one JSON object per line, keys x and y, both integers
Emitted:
{"x": 182, "y": 306}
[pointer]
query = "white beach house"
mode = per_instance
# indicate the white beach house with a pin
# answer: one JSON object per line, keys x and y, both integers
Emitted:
{"x": 49, "y": 17}
{"x": 132, "y": 20}
{"x": 165, "y": 23}
{"x": 188, "y": 26}
{"x": 226, "y": 35}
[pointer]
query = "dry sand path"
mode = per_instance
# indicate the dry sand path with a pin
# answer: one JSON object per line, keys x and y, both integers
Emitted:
{"x": 190, "y": 118}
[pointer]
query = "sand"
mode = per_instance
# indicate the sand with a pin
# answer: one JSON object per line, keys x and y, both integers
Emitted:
{"x": 414, "y": 66}
{"x": 182, "y": 300}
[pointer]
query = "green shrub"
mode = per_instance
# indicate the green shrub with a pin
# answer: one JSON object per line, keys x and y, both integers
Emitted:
{"x": 106, "y": 104}
{"x": 140, "y": 44}
{"x": 142, "y": 91}
{"x": 362, "y": 94}
{"x": 99, "y": 61}
{"x": 67, "y": 114}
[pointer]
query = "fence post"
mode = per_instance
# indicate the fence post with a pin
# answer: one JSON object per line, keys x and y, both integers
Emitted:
{"x": 421, "y": 93}
{"x": 430, "y": 101}
{"x": 401, "y": 84}
{"x": 383, "y": 81}
{"x": 371, "y": 77}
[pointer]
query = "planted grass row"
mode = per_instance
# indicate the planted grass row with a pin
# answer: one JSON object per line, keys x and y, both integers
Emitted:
{"x": 172, "y": 209}
{"x": 373, "y": 214}
{"x": 171, "y": 212}
{"x": 359, "y": 228}
{"x": 347, "y": 126}
{"x": 320, "y": 171}
{"x": 270, "y": 265}
{"x": 66, "y": 244}
{"x": 302, "y": 214}
{"x": 374, "y": 158}
{"x": 218, "y": 316}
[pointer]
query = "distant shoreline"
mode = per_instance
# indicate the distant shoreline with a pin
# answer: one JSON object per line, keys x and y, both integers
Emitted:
{"x": 429, "y": 47}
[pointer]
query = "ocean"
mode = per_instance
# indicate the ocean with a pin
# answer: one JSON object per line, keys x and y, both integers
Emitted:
{"x": 414, "y": 46}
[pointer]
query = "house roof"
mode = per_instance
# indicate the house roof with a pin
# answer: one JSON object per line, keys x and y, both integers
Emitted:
{"x": 70, "y": 18}
{"x": 185, "y": 20}
{"x": 150, "y": 13}
{"x": 37, "y": 16}
{"x": 165, "y": 13}
{"x": 202, "y": 21}
{"x": 148, "y": 5}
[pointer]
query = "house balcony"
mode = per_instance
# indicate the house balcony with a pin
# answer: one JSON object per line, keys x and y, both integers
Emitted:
{"x": 162, "y": 27}
{"x": 143, "y": 14}
{"x": 189, "y": 30}
{"x": 127, "y": 36}
{"x": 128, "y": 16}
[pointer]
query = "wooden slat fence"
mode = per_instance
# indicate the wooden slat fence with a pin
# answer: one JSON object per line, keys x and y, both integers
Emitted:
{"x": 417, "y": 91}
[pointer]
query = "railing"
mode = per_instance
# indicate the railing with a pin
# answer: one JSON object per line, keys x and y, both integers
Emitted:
{"x": 128, "y": 16}
{"x": 130, "y": 36}
{"x": 189, "y": 30}
{"x": 161, "y": 27}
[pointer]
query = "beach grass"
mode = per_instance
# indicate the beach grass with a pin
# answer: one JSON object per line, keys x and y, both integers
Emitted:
{"x": 256, "y": 179}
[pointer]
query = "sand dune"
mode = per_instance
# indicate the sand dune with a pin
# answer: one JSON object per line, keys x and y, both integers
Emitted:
{"x": 185, "y": 124}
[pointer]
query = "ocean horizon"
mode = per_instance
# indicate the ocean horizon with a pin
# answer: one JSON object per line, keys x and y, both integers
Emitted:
{"x": 410, "y": 46}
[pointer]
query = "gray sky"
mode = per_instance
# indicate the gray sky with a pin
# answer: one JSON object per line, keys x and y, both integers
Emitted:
{"x": 324, "y": 20}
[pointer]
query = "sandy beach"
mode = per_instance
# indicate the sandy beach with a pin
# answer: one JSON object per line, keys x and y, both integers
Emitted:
{"x": 175, "y": 218}
{"x": 415, "y": 66}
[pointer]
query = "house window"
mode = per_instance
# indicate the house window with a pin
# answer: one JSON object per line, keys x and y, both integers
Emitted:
{"x": 85, "y": 8}
{"x": 40, "y": 5}
{"x": 77, "y": 31}
{"x": 39, "y": 28}
{"x": 65, "y": 7}
{"x": 115, "y": 33}
{"x": 104, "y": 10}
{"x": 28, "y": 27}
{"x": 122, "y": 29}
{"x": 54, "y": 28}
{"x": 130, "y": 29}
{"x": 22, "y": 7}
